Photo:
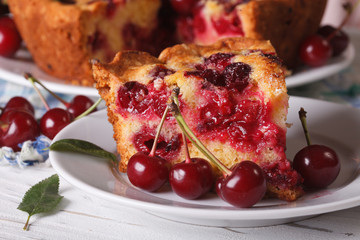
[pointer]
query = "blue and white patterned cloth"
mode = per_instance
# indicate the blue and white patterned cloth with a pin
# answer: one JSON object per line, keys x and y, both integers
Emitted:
{"x": 32, "y": 152}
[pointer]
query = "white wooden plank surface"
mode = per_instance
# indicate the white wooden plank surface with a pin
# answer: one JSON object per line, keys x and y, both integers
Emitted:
{"x": 83, "y": 216}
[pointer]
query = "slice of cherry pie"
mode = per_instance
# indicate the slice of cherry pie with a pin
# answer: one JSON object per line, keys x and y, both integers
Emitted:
{"x": 232, "y": 95}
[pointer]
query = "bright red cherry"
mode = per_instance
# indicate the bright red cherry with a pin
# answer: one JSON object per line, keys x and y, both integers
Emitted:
{"x": 147, "y": 172}
{"x": 79, "y": 104}
{"x": 10, "y": 39}
{"x": 244, "y": 187}
{"x": 53, "y": 121}
{"x": 319, "y": 165}
{"x": 17, "y": 127}
{"x": 315, "y": 51}
{"x": 192, "y": 179}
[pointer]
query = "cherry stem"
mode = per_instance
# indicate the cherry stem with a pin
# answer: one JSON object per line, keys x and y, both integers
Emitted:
{"x": 153, "y": 149}
{"x": 89, "y": 110}
{"x": 191, "y": 136}
{"x": 349, "y": 9}
{"x": 187, "y": 154}
{"x": 302, "y": 116}
{"x": 32, "y": 81}
{"x": 28, "y": 76}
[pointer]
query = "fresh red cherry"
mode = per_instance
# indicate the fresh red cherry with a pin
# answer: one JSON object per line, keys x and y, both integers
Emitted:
{"x": 18, "y": 103}
{"x": 319, "y": 165}
{"x": 53, "y": 121}
{"x": 17, "y": 127}
{"x": 315, "y": 51}
{"x": 183, "y": 6}
{"x": 339, "y": 40}
{"x": 10, "y": 39}
{"x": 244, "y": 187}
{"x": 192, "y": 179}
{"x": 7, "y": 21}
{"x": 147, "y": 172}
{"x": 79, "y": 104}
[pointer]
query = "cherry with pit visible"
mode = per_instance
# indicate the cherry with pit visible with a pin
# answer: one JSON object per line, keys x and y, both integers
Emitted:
{"x": 319, "y": 165}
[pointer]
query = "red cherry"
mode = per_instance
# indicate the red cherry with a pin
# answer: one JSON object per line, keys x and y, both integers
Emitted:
{"x": 53, "y": 121}
{"x": 318, "y": 165}
{"x": 7, "y": 21}
{"x": 17, "y": 127}
{"x": 183, "y": 6}
{"x": 19, "y": 104}
{"x": 193, "y": 179}
{"x": 244, "y": 187}
{"x": 147, "y": 172}
{"x": 315, "y": 51}
{"x": 338, "y": 42}
{"x": 10, "y": 39}
{"x": 79, "y": 104}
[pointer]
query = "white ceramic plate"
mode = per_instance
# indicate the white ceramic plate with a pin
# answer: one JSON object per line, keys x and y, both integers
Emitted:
{"x": 13, "y": 69}
{"x": 330, "y": 124}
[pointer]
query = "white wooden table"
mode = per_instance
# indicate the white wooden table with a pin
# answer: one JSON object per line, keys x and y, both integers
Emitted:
{"x": 83, "y": 216}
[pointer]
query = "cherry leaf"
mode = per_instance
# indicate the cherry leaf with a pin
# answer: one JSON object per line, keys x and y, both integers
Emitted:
{"x": 82, "y": 146}
{"x": 40, "y": 198}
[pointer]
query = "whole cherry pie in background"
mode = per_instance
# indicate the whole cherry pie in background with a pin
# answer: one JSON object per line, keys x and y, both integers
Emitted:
{"x": 63, "y": 35}
{"x": 232, "y": 95}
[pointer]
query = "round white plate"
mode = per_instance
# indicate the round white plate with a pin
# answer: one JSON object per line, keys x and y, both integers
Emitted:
{"x": 330, "y": 124}
{"x": 13, "y": 69}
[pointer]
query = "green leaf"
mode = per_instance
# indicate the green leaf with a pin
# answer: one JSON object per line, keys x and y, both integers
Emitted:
{"x": 42, "y": 197}
{"x": 82, "y": 146}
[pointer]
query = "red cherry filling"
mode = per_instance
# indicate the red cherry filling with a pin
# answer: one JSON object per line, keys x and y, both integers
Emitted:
{"x": 132, "y": 97}
{"x": 230, "y": 24}
{"x": 160, "y": 72}
{"x": 166, "y": 148}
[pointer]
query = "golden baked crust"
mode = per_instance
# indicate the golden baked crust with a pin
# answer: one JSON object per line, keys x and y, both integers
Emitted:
{"x": 60, "y": 37}
{"x": 266, "y": 85}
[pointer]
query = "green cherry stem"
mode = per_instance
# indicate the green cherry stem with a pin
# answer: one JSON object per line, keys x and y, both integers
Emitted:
{"x": 89, "y": 110}
{"x": 302, "y": 116}
{"x": 194, "y": 140}
{"x": 33, "y": 80}
{"x": 153, "y": 149}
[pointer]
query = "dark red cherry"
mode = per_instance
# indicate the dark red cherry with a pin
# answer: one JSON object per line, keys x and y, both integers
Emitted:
{"x": 147, "y": 172}
{"x": 338, "y": 42}
{"x": 53, "y": 121}
{"x": 19, "y": 104}
{"x": 315, "y": 51}
{"x": 79, "y": 104}
{"x": 191, "y": 180}
{"x": 18, "y": 127}
{"x": 318, "y": 165}
{"x": 244, "y": 187}
{"x": 10, "y": 39}
{"x": 183, "y": 6}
